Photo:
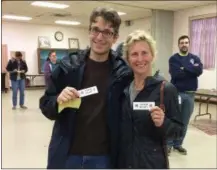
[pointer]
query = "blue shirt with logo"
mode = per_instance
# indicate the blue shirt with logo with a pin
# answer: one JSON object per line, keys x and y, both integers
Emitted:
{"x": 184, "y": 71}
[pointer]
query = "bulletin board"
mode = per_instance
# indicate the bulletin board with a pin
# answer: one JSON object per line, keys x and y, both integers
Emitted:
{"x": 43, "y": 55}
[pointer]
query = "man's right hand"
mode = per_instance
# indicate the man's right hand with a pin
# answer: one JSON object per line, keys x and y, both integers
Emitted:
{"x": 67, "y": 94}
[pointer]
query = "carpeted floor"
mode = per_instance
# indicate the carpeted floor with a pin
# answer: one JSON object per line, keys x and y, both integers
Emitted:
{"x": 207, "y": 126}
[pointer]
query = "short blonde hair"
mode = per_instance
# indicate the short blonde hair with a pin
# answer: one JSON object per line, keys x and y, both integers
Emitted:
{"x": 139, "y": 35}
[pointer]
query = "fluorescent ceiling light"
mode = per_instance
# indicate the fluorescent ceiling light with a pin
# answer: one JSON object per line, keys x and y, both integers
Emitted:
{"x": 49, "y": 5}
{"x": 67, "y": 22}
{"x": 121, "y": 13}
{"x": 15, "y": 17}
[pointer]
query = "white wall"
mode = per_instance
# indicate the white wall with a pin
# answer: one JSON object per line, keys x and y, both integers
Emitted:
{"x": 181, "y": 26}
{"x": 24, "y": 37}
{"x": 142, "y": 24}
{"x": 162, "y": 32}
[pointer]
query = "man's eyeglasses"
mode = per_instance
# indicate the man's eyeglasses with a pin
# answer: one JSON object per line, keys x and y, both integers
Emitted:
{"x": 106, "y": 33}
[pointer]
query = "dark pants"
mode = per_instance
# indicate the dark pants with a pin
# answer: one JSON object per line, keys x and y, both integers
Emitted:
{"x": 18, "y": 85}
{"x": 187, "y": 108}
{"x": 87, "y": 162}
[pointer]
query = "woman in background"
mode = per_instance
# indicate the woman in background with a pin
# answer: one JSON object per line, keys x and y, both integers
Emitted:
{"x": 17, "y": 68}
{"x": 145, "y": 126}
{"x": 49, "y": 66}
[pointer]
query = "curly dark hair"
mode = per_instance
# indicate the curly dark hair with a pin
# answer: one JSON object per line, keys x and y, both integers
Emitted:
{"x": 18, "y": 54}
{"x": 108, "y": 15}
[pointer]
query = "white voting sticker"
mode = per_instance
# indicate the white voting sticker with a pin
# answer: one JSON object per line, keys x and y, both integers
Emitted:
{"x": 180, "y": 99}
{"x": 88, "y": 91}
{"x": 143, "y": 105}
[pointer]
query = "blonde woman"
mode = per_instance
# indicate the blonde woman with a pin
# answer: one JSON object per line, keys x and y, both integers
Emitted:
{"x": 144, "y": 129}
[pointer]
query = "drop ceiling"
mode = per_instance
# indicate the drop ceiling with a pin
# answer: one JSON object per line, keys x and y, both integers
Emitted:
{"x": 80, "y": 10}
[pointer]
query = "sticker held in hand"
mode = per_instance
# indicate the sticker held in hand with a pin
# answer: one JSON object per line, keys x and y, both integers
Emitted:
{"x": 143, "y": 105}
{"x": 77, "y": 102}
{"x": 88, "y": 91}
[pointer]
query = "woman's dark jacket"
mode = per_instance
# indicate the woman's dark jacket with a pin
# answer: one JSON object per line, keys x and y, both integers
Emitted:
{"x": 143, "y": 145}
{"x": 12, "y": 65}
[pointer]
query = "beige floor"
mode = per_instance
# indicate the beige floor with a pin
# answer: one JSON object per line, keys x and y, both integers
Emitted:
{"x": 26, "y": 133}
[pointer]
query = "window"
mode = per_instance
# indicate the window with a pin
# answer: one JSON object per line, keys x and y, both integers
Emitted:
{"x": 203, "y": 35}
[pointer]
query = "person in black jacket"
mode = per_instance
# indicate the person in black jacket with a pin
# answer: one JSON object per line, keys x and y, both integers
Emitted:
{"x": 17, "y": 68}
{"x": 119, "y": 49}
{"x": 145, "y": 125}
{"x": 87, "y": 137}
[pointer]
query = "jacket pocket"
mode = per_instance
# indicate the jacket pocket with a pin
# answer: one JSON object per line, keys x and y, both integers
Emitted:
{"x": 152, "y": 158}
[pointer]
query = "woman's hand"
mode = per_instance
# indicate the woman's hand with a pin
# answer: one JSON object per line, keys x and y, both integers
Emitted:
{"x": 157, "y": 116}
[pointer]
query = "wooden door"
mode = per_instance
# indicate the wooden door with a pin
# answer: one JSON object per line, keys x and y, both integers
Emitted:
{"x": 4, "y": 64}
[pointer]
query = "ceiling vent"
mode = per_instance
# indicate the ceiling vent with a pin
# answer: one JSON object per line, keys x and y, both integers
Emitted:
{"x": 58, "y": 15}
{"x": 61, "y": 15}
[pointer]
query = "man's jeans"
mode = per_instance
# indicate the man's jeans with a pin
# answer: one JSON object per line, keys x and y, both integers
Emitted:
{"x": 187, "y": 108}
{"x": 87, "y": 162}
{"x": 18, "y": 85}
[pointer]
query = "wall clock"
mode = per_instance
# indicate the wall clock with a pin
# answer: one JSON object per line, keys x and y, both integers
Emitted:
{"x": 58, "y": 36}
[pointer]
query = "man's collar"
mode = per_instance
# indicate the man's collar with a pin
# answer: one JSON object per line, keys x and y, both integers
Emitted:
{"x": 181, "y": 54}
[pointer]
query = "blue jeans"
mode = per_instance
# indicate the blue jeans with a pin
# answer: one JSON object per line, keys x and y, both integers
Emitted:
{"x": 18, "y": 85}
{"x": 187, "y": 108}
{"x": 87, "y": 162}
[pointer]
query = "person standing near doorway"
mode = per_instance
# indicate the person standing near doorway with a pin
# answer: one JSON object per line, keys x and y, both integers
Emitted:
{"x": 184, "y": 68}
{"x": 17, "y": 68}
